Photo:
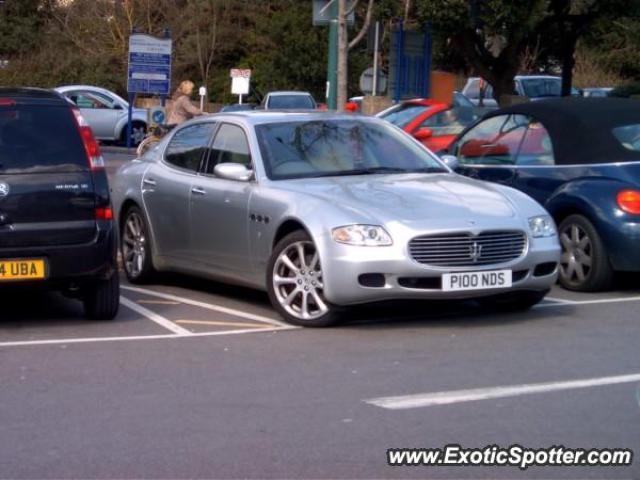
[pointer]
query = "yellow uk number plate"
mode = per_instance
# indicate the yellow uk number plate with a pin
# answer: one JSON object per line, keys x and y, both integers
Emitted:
{"x": 22, "y": 269}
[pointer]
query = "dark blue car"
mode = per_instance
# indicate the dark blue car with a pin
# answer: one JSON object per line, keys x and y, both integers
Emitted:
{"x": 580, "y": 158}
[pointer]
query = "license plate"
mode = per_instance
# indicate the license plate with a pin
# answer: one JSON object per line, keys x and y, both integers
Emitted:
{"x": 23, "y": 269}
{"x": 476, "y": 280}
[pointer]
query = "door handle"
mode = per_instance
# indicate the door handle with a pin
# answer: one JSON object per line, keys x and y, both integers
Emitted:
{"x": 149, "y": 181}
{"x": 198, "y": 191}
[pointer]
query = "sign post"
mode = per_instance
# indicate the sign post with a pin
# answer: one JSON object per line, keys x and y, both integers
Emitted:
{"x": 240, "y": 79}
{"x": 149, "y": 69}
{"x": 203, "y": 93}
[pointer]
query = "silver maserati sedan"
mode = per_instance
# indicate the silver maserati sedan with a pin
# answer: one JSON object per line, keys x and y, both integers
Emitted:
{"x": 324, "y": 211}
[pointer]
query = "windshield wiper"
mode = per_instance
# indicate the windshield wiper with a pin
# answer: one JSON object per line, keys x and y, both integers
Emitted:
{"x": 370, "y": 171}
{"x": 429, "y": 170}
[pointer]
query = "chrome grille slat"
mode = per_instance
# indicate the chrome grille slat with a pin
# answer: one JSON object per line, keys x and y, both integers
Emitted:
{"x": 456, "y": 250}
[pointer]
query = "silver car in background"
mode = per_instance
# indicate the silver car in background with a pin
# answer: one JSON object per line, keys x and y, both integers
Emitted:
{"x": 107, "y": 113}
{"x": 325, "y": 211}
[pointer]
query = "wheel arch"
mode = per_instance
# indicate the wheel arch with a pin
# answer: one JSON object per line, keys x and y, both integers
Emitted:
{"x": 288, "y": 226}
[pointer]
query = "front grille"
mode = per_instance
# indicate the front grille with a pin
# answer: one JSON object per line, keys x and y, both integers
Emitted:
{"x": 467, "y": 250}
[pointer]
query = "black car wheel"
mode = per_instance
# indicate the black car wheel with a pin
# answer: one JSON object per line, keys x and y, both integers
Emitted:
{"x": 138, "y": 133}
{"x": 584, "y": 265}
{"x": 135, "y": 246}
{"x": 295, "y": 283}
{"x": 102, "y": 299}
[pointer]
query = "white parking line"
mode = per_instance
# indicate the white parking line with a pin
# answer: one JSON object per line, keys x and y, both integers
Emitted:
{"x": 208, "y": 306}
{"x": 419, "y": 400}
{"x": 170, "y": 336}
{"x": 561, "y": 303}
{"x": 458, "y": 396}
{"x": 154, "y": 317}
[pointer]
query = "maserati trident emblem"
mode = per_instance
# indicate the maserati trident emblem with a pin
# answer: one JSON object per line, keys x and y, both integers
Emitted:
{"x": 475, "y": 251}
{"x": 4, "y": 189}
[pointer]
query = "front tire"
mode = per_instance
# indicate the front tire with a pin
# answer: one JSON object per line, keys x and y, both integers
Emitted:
{"x": 584, "y": 265}
{"x": 295, "y": 283}
{"x": 135, "y": 246}
{"x": 102, "y": 300}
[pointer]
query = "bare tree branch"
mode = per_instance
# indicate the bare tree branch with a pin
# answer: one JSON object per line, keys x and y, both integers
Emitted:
{"x": 365, "y": 27}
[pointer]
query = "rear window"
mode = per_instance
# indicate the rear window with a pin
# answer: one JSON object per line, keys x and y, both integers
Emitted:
{"x": 292, "y": 102}
{"x": 39, "y": 139}
{"x": 628, "y": 136}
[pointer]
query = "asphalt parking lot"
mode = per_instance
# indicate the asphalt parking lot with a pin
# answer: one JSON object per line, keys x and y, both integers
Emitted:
{"x": 196, "y": 379}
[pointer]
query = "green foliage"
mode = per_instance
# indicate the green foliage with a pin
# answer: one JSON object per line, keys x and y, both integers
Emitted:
{"x": 626, "y": 91}
{"x": 21, "y": 23}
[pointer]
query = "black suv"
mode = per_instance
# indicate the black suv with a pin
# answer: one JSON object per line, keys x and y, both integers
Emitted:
{"x": 56, "y": 222}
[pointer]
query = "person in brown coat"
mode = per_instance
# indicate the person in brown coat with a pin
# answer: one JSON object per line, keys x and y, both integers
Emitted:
{"x": 181, "y": 108}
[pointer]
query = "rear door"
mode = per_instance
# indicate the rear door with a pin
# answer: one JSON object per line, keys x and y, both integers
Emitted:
{"x": 46, "y": 187}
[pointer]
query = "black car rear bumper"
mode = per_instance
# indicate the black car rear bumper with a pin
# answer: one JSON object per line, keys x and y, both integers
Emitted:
{"x": 69, "y": 265}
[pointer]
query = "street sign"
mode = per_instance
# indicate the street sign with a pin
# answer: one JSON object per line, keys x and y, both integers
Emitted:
{"x": 240, "y": 81}
{"x": 322, "y": 14}
{"x": 366, "y": 82}
{"x": 157, "y": 115}
{"x": 149, "y": 65}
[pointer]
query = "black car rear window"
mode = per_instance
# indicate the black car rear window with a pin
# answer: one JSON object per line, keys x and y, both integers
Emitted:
{"x": 39, "y": 139}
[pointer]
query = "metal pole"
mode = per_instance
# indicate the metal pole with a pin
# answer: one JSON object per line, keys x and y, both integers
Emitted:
{"x": 332, "y": 66}
{"x": 375, "y": 60}
{"x": 129, "y": 115}
{"x": 240, "y": 99}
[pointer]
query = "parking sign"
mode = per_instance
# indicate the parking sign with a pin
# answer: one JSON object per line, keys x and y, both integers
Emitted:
{"x": 149, "y": 65}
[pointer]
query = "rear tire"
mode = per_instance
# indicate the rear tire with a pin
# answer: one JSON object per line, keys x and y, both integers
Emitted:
{"x": 135, "y": 246}
{"x": 512, "y": 302}
{"x": 584, "y": 265}
{"x": 138, "y": 132}
{"x": 102, "y": 299}
{"x": 295, "y": 283}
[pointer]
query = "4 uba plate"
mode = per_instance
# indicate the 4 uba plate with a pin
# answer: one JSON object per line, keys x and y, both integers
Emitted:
{"x": 23, "y": 269}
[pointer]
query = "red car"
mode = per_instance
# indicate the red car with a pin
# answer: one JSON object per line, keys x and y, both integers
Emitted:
{"x": 433, "y": 123}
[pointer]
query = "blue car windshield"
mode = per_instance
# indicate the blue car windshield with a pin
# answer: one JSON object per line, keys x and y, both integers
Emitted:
{"x": 322, "y": 148}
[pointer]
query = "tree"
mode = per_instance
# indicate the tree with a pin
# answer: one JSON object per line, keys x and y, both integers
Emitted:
{"x": 21, "y": 26}
{"x": 344, "y": 45}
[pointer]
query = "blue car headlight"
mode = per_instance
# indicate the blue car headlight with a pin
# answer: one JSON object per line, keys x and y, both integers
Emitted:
{"x": 542, "y": 226}
{"x": 362, "y": 235}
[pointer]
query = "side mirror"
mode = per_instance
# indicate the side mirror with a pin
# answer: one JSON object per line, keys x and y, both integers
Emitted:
{"x": 423, "y": 134}
{"x": 450, "y": 161}
{"x": 117, "y": 106}
{"x": 233, "y": 171}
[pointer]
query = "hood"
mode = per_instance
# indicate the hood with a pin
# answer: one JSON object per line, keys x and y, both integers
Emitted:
{"x": 409, "y": 197}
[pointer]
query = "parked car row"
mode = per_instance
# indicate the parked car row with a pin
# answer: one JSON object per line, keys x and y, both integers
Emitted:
{"x": 324, "y": 210}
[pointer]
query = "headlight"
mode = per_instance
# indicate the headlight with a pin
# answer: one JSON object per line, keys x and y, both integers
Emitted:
{"x": 542, "y": 226}
{"x": 362, "y": 235}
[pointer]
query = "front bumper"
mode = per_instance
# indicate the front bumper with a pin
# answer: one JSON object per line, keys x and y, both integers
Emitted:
{"x": 404, "y": 278}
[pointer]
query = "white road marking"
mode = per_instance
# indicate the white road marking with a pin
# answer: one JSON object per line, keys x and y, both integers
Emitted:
{"x": 157, "y": 302}
{"x": 587, "y": 302}
{"x": 222, "y": 323}
{"x": 208, "y": 306}
{"x": 558, "y": 300}
{"x": 154, "y": 317}
{"x": 141, "y": 337}
{"x": 458, "y": 396}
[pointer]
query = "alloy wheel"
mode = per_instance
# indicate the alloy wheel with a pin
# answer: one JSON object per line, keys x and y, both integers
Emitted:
{"x": 297, "y": 281}
{"x": 134, "y": 245}
{"x": 577, "y": 254}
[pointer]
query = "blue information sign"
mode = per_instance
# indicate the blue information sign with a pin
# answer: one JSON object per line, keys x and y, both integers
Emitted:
{"x": 149, "y": 65}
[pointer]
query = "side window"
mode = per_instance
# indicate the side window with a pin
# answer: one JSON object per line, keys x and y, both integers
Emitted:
{"x": 187, "y": 146}
{"x": 472, "y": 90}
{"x": 89, "y": 100}
{"x": 536, "y": 148}
{"x": 229, "y": 146}
{"x": 449, "y": 122}
{"x": 495, "y": 141}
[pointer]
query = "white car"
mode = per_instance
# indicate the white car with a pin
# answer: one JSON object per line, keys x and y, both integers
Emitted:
{"x": 288, "y": 101}
{"x": 107, "y": 113}
{"x": 533, "y": 87}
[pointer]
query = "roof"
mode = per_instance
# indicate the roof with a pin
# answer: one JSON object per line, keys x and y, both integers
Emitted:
{"x": 289, "y": 93}
{"x": 258, "y": 117}
{"x": 581, "y": 128}
{"x": 32, "y": 95}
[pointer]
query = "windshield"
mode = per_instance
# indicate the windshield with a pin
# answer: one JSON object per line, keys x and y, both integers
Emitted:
{"x": 289, "y": 102}
{"x": 402, "y": 114}
{"x": 322, "y": 148}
